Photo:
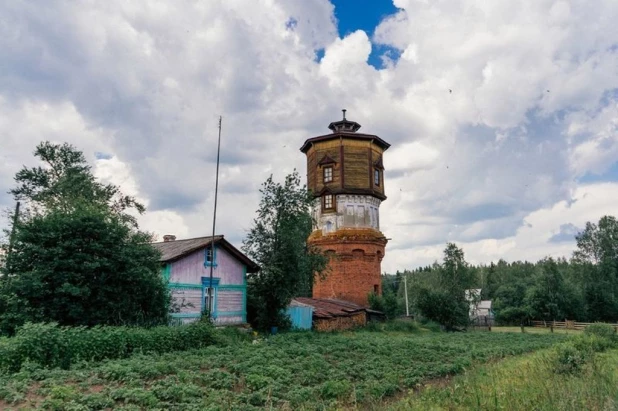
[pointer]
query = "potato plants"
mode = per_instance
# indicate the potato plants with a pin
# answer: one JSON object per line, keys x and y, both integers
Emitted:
{"x": 291, "y": 371}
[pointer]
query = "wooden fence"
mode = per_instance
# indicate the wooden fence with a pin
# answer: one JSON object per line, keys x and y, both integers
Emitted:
{"x": 569, "y": 325}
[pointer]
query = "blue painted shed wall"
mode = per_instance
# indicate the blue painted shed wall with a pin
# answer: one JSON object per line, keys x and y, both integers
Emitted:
{"x": 301, "y": 317}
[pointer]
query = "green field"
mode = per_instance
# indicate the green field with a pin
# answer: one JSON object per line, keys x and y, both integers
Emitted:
{"x": 289, "y": 371}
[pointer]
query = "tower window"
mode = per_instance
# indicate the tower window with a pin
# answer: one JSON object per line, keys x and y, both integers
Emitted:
{"x": 376, "y": 177}
{"x": 328, "y": 202}
{"x": 328, "y": 174}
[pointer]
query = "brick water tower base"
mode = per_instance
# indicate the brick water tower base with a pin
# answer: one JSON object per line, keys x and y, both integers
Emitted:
{"x": 355, "y": 257}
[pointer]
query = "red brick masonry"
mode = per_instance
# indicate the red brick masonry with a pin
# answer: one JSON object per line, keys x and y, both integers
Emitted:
{"x": 355, "y": 264}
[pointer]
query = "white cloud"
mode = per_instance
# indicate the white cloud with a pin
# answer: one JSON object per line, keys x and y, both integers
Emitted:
{"x": 531, "y": 241}
{"x": 493, "y": 110}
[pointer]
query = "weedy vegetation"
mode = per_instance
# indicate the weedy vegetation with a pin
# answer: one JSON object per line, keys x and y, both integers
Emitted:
{"x": 578, "y": 374}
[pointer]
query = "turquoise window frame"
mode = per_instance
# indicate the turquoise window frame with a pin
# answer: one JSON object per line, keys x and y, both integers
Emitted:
{"x": 215, "y": 286}
{"x": 166, "y": 272}
{"x": 212, "y": 263}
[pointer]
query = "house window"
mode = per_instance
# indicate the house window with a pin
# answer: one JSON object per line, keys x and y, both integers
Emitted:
{"x": 210, "y": 294}
{"x": 376, "y": 289}
{"x": 328, "y": 174}
{"x": 328, "y": 201}
{"x": 208, "y": 257}
{"x": 376, "y": 177}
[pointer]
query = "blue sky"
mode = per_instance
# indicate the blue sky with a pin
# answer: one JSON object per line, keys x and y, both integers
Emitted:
{"x": 364, "y": 15}
{"x": 481, "y": 153}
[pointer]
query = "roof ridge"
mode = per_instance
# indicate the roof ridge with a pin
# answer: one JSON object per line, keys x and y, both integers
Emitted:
{"x": 189, "y": 239}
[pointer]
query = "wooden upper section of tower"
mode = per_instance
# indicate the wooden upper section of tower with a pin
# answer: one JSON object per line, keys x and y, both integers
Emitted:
{"x": 345, "y": 161}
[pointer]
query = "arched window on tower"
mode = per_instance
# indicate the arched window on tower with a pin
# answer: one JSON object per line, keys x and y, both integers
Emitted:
{"x": 329, "y": 226}
{"x": 376, "y": 177}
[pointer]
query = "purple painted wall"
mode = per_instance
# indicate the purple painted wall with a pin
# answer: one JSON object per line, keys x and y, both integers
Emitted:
{"x": 230, "y": 291}
{"x": 190, "y": 269}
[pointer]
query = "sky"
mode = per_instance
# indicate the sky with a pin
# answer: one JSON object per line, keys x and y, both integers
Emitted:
{"x": 502, "y": 115}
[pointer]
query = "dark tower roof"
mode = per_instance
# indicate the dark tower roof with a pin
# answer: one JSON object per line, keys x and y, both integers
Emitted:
{"x": 345, "y": 128}
{"x": 344, "y": 125}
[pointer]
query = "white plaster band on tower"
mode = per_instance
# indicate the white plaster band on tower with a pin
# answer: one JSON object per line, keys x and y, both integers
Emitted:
{"x": 352, "y": 211}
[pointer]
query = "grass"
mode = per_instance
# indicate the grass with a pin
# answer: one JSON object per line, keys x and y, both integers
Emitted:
{"x": 524, "y": 383}
{"x": 300, "y": 370}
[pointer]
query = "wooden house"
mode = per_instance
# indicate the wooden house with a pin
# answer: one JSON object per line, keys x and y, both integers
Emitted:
{"x": 186, "y": 265}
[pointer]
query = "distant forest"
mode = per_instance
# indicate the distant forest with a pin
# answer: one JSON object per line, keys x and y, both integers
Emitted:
{"x": 582, "y": 288}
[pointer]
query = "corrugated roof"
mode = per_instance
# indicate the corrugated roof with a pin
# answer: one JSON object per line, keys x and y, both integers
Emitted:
{"x": 329, "y": 308}
{"x": 173, "y": 250}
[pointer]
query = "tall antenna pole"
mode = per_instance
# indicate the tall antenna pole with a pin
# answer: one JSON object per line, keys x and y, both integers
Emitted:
{"x": 211, "y": 290}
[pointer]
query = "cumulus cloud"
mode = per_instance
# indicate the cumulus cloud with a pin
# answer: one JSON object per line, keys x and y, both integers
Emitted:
{"x": 494, "y": 110}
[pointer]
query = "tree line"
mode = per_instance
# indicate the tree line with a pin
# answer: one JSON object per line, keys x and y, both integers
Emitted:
{"x": 582, "y": 288}
{"x": 78, "y": 257}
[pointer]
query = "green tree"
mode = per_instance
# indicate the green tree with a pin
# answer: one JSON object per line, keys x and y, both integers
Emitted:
{"x": 446, "y": 302}
{"x": 597, "y": 257}
{"x": 78, "y": 257}
{"x": 278, "y": 243}
{"x": 387, "y": 302}
{"x": 550, "y": 298}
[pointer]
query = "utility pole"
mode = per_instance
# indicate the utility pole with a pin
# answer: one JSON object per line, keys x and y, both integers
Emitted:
{"x": 211, "y": 290}
{"x": 405, "y": 289}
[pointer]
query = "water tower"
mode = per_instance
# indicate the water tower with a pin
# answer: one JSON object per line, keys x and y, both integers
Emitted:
{"x": 345, "y": 174}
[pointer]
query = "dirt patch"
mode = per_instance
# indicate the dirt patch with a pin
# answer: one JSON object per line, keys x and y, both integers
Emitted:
{"x": 31, "y": 400}
{"x": 96, "y": 388}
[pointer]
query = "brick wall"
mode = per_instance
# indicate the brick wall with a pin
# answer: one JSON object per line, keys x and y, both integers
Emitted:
{"x": 354, "y": 267}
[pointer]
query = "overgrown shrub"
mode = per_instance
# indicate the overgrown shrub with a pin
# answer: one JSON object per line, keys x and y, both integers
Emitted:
{"x": 602, "y": 330}
{"x": 568, "y": 359}
{"x": 50, "y": 345}
{"x": 385, "y": 303}
{"x": 592, "y": 343}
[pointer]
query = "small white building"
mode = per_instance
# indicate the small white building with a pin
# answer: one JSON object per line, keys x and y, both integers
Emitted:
{"x": 478, "y": 307}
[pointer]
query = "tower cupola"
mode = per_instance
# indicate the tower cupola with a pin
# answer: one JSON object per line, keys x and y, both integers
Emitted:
{"x": 344, "y": 125}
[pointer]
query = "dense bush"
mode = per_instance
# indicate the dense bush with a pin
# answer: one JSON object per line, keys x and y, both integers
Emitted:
{"x": 49, "y": 345}
{"x": 572, "y": 356}
{"x": 385, "y": 303}
{"x": 602, "y": 330}
{"x": 569, "y": 359}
